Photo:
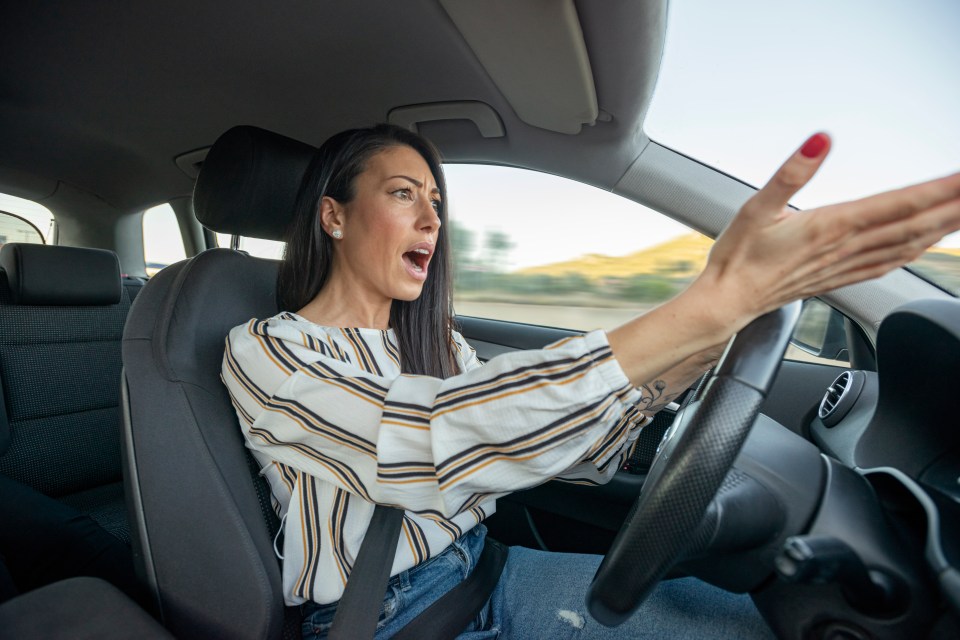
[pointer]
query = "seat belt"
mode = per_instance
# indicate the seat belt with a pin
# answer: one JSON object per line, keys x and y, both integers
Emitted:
{"x": 446, "y": 618}
{"x": 359, "y": 609}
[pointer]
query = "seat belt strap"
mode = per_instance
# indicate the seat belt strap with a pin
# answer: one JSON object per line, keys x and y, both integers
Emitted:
{"x": 359, "y": 609}
{"x": 453, "y": 611}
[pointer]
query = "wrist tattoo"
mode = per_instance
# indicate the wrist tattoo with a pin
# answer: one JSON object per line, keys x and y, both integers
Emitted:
{"x": 652, "y": 396}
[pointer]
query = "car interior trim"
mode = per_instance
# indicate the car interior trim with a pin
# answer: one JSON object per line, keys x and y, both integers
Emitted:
{"x": 479, "y": 113}
{"x": 547, "y": 80}
{"x": 140, "y": 541}
{"x": 191, "y": 161}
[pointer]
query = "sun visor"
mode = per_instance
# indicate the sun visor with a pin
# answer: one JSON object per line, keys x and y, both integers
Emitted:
{"x": 534, "y": 52}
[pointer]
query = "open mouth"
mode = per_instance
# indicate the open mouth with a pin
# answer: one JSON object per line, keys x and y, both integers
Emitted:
{"x": 417, "y": 261}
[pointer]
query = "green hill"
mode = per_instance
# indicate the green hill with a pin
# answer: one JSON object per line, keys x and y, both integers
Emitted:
{"x": 686, "y": 256}
{"x": 681, "y": 257}
{"x": 941, "y": 265}
{"x": 950, "y": 252}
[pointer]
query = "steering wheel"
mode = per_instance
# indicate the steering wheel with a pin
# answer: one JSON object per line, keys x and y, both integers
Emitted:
{"x": 691, "y": 463}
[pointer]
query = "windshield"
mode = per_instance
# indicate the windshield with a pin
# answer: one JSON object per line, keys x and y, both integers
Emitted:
{"x": 744, "y": 83}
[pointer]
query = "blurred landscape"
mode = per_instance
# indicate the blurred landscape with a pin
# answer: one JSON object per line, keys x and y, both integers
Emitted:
{"x": 597, "y": 291}
{"x": 942, "y": 266}
{"x": 636, "y": 280}
{"x": 589, "y": 292}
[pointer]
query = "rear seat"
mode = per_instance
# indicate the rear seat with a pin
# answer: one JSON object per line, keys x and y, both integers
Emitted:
{"x": 62, "y": 312}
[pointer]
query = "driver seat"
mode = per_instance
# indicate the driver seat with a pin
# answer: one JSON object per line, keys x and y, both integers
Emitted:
{"x": 201, "y": 517}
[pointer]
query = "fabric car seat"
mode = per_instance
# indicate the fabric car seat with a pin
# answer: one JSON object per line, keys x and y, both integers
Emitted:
{"x": 203, "y": 521}
{"x": 62, "y": 312}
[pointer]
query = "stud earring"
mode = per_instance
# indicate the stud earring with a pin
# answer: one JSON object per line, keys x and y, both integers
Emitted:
{"x": 337, "y": 234}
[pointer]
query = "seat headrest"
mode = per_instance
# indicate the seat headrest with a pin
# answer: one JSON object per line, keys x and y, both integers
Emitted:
{"x": 68, "y": 276}
{"x": 249, "y": 181}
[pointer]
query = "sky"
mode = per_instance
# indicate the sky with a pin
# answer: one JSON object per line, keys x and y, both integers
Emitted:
{"x": 743, "y": 83}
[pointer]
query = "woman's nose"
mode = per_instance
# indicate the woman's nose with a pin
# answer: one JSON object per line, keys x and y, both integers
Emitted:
{"x": 429, "y": 217}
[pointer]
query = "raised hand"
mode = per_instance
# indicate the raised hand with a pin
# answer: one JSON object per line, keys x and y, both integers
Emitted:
{"x": 771, "y": 255}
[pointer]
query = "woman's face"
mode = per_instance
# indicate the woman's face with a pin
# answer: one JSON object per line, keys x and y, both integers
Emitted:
{"x": 390, "y": 227}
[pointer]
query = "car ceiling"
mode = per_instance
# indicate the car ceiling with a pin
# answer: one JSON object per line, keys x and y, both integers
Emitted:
{"x": 103, "y": 96}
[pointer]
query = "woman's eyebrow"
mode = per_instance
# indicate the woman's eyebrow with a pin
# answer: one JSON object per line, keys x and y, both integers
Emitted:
{"x": 416, "y": 182}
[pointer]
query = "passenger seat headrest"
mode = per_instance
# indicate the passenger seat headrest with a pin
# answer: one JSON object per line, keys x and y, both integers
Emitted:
{"x": 249, "y": 181}
{"x": 68, "y": 276}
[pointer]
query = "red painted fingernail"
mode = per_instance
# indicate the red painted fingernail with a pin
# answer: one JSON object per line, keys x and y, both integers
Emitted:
{"x": 814, "y": 146}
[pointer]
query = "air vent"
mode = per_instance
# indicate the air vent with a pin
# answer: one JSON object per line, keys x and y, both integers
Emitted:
{"x": 840, "y": 397}
{"x": 834, "y": 395}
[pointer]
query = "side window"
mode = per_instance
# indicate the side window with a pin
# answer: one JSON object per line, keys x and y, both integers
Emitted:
{"x": 272, "y": 249}
{"x": 162, "y": 241}
{"x": 535, "y": 248}
{"x": 820, "y": 336}
{"x": 539, "y": 249}
{"x": 16, "y": 229}
{"x": 940, "y": 264}
{"x": 24, "y": 221}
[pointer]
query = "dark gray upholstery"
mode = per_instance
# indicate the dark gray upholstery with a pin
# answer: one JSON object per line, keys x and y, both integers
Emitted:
{"x": 40, "y": 274}
{"x": 106, "y": 505}
{"x": 60, "y": 375}
{"x": 78, "y": 609}
{"x": 262, "y": 171}
{"x": 203, "y": 524}
{"x": 201, "y": 534}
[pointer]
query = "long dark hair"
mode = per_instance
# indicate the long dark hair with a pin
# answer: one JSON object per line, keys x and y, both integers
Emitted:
{"x": 422, "y": 326}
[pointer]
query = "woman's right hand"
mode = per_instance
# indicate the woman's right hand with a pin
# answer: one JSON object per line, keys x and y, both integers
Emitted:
{"x": 771, "y": 255}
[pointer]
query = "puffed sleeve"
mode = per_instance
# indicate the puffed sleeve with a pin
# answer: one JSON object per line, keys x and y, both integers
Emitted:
{"x": 428, "y": 445}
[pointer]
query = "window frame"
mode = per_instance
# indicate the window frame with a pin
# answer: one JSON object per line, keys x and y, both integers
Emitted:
{"x": 30, "y": 224}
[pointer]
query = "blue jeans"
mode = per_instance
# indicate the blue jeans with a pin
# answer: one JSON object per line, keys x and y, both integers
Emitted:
{"x": 541, "y": 595}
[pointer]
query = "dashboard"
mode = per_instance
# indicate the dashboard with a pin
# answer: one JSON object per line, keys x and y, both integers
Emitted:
{"x": 899, "y": 428}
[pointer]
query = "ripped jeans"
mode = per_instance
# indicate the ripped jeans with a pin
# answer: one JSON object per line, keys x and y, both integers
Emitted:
{"x": 541, "y": 595}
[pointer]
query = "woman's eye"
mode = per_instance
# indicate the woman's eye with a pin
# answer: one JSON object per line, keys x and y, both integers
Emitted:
{"x": 403, "y": 194}
{"x": 436, "y": 205}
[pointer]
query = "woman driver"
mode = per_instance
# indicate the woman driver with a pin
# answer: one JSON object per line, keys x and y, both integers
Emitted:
{"x": 360, "y": 392}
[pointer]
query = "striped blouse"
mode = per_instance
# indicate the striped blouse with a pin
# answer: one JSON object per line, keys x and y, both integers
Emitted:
{"x": 336, "y": 427}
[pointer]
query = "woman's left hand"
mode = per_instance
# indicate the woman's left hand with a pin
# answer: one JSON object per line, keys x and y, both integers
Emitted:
{"x": 771, "y": 255}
